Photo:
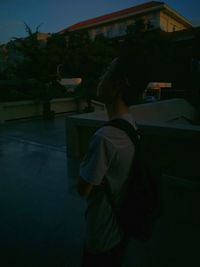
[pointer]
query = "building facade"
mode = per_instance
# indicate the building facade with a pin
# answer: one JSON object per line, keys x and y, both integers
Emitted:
{"x": 155, "y": 14}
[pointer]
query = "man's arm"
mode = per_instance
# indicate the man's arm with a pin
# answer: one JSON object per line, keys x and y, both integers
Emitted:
{"x": 95, "y": 164}
{"x": 84, "y": 188}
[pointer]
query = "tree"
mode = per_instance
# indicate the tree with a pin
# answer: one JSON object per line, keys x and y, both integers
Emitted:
{"x": 147, "y": 56}
{"x": 40, "y": 60}
{"x": 87, "y": 59}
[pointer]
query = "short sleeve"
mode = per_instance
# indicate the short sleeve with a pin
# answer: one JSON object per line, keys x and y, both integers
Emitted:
{"x": 97, "y": 160}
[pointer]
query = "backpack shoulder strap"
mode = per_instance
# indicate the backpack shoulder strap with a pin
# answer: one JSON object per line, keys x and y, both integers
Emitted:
{"x": 127, "y": 127}
{"x": 134, "y": 136}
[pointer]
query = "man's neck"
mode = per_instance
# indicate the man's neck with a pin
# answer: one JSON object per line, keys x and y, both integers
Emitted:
{"x": 118, "y": 109}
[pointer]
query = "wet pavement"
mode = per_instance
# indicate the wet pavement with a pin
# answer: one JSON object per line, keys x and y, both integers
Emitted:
{"x": 41, "y": 224}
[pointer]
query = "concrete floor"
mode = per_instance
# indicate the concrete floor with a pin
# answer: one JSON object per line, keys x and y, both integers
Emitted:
{"x": 42, "y": 224}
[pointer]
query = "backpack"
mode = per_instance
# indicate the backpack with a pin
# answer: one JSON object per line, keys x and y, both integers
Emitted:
{"x": 140, "y": 207}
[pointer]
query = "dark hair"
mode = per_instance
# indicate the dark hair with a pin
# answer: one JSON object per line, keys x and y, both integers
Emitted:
{"x": 129, "y": 77}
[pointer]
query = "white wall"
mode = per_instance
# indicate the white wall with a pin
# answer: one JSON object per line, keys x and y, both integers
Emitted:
{"x": 169, "y": 24}
{"x": 26, "y": 109}
{"x": 164, "y": 111}
{"x": 118, "y": 27}
{"x": 168, "y": 114}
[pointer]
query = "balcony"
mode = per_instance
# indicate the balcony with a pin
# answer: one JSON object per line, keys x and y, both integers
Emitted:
{"x": 42, "y": 218}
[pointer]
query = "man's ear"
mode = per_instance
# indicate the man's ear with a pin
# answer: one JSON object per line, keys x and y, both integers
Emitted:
{"x": 117, "y": 88}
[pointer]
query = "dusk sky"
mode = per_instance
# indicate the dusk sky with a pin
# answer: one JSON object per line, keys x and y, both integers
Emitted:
{"x": 55, "y": 15}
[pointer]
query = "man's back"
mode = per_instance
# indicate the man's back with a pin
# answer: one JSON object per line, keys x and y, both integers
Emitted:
{"x": 110, "y": 155}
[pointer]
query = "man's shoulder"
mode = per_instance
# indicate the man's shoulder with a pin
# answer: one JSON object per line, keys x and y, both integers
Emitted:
{"x": 113, "y": 135}
{"x": 104, "y": 130}
{"x": 109, "y": 130}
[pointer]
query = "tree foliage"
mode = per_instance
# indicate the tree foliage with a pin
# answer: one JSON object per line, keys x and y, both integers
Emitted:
{"x": 156, "y": 55}
{"x": 151, "y": 56}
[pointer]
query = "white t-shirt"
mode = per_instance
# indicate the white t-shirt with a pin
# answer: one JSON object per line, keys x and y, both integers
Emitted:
{"x": 110, "y": 154}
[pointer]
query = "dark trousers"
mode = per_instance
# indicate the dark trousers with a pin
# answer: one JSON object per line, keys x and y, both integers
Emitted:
{"x": 110, "y": 258}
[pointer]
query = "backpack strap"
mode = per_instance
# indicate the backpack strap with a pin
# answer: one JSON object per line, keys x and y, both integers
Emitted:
{"x": 134, "y": 136}
{"x": 127, "y": 127}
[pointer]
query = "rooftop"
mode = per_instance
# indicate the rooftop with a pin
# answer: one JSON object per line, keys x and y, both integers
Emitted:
{"x": 42, "y": 224}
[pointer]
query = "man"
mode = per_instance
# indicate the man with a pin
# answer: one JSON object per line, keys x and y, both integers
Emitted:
{"x": 108, "y": 160}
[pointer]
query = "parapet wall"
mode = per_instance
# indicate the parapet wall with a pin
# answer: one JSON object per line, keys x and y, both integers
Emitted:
{"x": 28, "y": 109}
{"x": 173, "y": 140}
{"x": 169, "y": 132}
{"x": 166, "y": 111}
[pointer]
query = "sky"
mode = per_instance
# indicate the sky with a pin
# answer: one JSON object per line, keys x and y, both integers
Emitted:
{"x": 56, "y": 15}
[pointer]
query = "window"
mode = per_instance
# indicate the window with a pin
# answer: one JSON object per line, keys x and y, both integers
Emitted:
{"x": 121, "y": 28}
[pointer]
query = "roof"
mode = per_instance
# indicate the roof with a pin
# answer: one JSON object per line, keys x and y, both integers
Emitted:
{"x": 142, "y": 8}
{"x": 114, "y": 15}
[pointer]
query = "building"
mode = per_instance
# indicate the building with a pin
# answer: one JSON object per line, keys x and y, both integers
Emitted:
{"x": 41, "y": 36}
{"x": 155, "y": 14}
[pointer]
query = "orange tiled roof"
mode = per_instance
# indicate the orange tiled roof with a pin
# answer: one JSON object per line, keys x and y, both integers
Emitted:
{"x": 124, "y": 12}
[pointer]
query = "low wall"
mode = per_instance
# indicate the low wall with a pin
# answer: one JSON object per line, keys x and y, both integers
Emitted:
{"x": 170, "y": 111}
{"x": 27, "y": 109}
{"x": 167, "y": 134}
{"x": 175, "y": 146}
{"x": 161, "y": 118}
{"x": 174, "y": 143}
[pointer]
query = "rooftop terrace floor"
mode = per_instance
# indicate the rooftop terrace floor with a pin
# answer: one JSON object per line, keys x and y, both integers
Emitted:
{"x": 41, "y": 223}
